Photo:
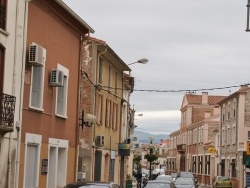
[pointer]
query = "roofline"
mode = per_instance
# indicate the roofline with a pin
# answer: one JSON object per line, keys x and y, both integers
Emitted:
{"x": 69, "y": 10}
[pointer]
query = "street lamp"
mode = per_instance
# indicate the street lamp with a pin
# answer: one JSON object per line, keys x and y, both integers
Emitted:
{"x": 142, "y": 61}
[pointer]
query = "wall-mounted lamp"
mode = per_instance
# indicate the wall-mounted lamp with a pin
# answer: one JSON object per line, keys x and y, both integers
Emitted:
{"x": 87, "y": 119}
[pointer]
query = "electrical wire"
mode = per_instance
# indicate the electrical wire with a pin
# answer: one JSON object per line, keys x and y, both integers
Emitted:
{"x": 165, "y": 91}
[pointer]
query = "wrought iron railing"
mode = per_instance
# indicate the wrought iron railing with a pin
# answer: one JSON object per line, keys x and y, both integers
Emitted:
{"x": 2, "y": 16}
{"x": 7, "y": 111}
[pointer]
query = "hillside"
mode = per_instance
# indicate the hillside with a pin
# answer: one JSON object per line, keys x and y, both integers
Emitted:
{"x": 144, "y": 137}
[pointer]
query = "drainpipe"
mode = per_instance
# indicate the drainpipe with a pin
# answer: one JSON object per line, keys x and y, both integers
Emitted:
{"x": 14, "y": 94}
{"x": 17, "y": 162}
{"x": 236, "y": 140}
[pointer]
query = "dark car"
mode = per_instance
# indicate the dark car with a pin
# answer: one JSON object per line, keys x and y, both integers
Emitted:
{"x": 186, "y": 174}
{"x": 182, "y": 182}
{"x": 159, "y": 184}
{"x": 91, "y": 184}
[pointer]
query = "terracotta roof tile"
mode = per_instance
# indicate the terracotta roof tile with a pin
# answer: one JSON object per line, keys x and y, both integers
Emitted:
{"x": 197, "y": 99}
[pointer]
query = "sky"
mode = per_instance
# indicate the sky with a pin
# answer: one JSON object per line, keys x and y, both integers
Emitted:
{"x": 190, "y": 45}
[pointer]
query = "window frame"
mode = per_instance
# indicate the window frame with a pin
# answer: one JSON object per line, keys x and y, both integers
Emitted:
{"x": 39, "y": 90}
{"x": 108, "y": 113}
{"x": 63, "y": 89}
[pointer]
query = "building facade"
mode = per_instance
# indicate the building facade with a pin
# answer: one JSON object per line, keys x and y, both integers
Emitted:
{"x": 233, "y": 134}
{"x": 50, "y": 116}
{"x": 107, "y": 82}
{"x": 200, "y": 117}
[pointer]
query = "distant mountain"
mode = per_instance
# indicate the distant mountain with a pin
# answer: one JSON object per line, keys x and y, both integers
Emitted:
{"x": 144, "y": 137}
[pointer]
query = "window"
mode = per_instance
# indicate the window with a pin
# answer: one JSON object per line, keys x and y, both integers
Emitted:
{"x": 116, "y": 81}
{"x": 234, "y": 109}
{"x": 37, "y": 83}
{"x": 100, "y": 70}
{"x": 194, "y": 164}
{"x": 200, "y": 160}
{"x": 207, "y": 164}
{"x": 248, "y": 135}
{"x": 62, "y": 94}
{"x": 99, "y": 109}
{"x": 228, "y": 136}
{"x": 110, "y": 76}
{"x": 233, "y": 168}
{"x": 115, "y": 115}
{"x": 3, "y": 8}
{"x": 108, "y": 113}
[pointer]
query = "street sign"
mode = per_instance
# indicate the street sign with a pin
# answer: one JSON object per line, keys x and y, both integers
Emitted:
{"x": 123, "y": 149}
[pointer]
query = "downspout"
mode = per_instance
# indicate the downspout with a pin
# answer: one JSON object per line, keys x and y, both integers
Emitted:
{"x": 13, "y": 94}
{"x": 78, "y": 109}
{"x": 236, "y": 141}
{"x": 17, "y": 164}
{"x": 220, "y": 141}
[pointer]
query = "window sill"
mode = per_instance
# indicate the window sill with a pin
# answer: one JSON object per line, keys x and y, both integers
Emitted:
{"x": 61, "y": 116}
{"x": 36, "y": 109}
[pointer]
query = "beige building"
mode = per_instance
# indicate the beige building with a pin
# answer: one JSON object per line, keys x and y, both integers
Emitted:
{"x": 189, "y": 150}
{"x": 107, "y": 82}
{"x": 232, "y": 136}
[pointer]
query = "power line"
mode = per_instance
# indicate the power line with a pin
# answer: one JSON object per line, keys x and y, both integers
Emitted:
{"x": 165, "y": 90}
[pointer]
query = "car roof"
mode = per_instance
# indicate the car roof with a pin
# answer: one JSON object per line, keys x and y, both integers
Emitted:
{"x": 81, "y": 183}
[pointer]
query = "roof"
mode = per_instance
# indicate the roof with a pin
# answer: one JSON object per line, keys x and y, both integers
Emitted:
{"x": 197, "y": 99}
{"x": 72, "y": 13}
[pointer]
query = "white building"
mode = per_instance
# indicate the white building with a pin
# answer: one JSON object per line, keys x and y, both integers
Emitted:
{"x": 12, "y": 44}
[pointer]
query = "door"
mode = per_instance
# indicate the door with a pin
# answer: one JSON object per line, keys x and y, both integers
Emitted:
{"x": 31, "y": 175}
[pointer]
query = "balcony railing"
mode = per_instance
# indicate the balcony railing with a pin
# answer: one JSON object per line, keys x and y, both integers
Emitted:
{"x": 2, "y": 16}
{"x": 7, "y": 111}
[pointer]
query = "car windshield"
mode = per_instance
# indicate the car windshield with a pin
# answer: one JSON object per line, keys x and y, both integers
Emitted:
{"x": 173, "y": 175}
{"x": 157, "y": 185}
{"x": 184, "y": 181}
{"x": 186, "y": 175}
{"x": 168, "y": 178}
{"x": 223, "y": 178}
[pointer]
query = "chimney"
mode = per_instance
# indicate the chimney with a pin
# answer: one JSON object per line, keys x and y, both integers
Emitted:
{"x": 204, "y": 97}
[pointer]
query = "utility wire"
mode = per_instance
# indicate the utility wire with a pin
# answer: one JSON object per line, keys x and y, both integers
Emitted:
{"x": 161, "y": 91}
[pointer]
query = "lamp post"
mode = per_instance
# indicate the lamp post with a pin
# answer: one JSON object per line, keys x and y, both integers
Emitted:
{"x": 142, "y": 61}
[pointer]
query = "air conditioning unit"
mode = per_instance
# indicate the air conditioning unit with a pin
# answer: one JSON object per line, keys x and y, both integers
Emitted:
{"x": 100, "y": 141}
{"x": 56, "y": 78}
{"x": 37, "y": 55}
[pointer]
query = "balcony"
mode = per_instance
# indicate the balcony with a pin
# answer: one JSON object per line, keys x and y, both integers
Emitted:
{"x": 7, "y": 111}
{"x": 181, "y": 148}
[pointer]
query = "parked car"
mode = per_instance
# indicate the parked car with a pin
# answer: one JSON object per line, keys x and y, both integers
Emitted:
{"x": 185, "y": 182}
{"x": 159, "y": 184}
{"x": 222, "y": 182}
{"x": 164, "y": 178}
{"x": 91, "y": 184}
{"x": 186, "y": 174}
{"x": 173, "y": 175}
